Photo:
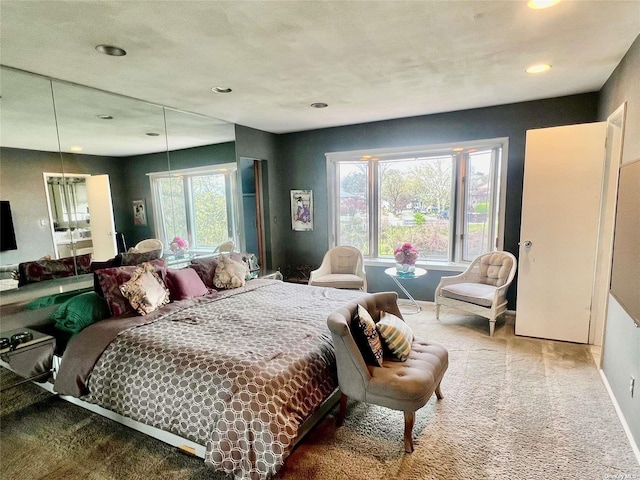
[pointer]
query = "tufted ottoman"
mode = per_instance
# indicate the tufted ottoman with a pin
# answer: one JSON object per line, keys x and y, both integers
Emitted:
{"x": 405, "y": 386}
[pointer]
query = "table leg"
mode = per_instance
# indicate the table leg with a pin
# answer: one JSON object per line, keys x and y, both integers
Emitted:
{"x": 409, "y": 297}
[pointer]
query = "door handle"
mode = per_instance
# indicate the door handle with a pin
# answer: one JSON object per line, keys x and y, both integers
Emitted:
{"x": 526, "y": 244}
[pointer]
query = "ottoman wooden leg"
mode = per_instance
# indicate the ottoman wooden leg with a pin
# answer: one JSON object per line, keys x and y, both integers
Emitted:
{"x": 409, "y": 419}
{"x": 439, "y": 393}
{"x": 343, "y": 409}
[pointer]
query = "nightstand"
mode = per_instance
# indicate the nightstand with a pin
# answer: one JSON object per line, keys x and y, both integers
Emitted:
{"x": 31, "y": 359}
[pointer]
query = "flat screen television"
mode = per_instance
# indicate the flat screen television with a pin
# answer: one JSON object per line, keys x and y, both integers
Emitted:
{"x": 7, "y": 234}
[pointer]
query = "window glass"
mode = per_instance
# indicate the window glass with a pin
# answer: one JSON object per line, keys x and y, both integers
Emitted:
{"x": 210, "y": 210}
{"x": 353, "y": 227}
{"x": 197, "y": 205}
{"x": 478, "y": 201}
{"x": 172, "y": 208}
{"x": 414, "y": 204}
{"x": 444, "y": 200}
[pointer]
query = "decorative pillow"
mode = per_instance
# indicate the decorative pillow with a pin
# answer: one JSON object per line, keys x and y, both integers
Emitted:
{"x": 396, "y": 335}
{"x": 55, "y": 299}
{"x": 251, "y": 262}
{"x": 112, "y": 262}
{"x": 367, "y": 338}
{"x": 229, "y": 273}
{"x": 136, "y": 258}
{"x": 145, "y": 291}
{"x": 185, "y": 283}
{"x": 107, "y": 284}
{"x": 80, "y": 311}
{"x": 205, "y": 268}
{"x": 47, "y": 269}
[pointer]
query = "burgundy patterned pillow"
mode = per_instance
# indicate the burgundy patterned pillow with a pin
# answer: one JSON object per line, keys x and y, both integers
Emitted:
{"x": 205, "y": 268}
{"x": 40, "y": 270}
{"x": 136, "y": 258}
{"x": 109, "y": 281}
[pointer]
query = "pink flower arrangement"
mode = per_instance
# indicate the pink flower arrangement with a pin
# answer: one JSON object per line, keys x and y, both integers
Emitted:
{"x": 179, "y": 244}
{"x": 406, "y": 254}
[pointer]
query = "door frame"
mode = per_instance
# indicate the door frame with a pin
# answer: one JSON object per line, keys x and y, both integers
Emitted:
{"x": 602, "y": 278}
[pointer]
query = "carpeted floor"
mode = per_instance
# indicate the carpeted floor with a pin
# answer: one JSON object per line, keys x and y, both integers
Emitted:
{"x": 514, "y": 408}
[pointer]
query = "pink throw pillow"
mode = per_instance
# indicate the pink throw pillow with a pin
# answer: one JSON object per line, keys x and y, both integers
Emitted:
{"x": 185, "y": 283}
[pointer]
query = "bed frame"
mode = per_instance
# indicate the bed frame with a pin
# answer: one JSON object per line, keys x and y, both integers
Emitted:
{"x": 40, "y": 317}
{"x": 182, "y": 444}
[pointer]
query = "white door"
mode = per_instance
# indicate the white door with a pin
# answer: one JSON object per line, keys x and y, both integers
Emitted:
{"x": 103, "y": 230}
{"x": 559, "y": 231}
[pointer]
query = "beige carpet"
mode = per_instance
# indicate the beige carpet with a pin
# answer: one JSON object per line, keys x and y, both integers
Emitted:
{"x": 514, "y": 408}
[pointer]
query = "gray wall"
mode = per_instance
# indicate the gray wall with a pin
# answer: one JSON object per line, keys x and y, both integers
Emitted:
{"x": 621, "y": 349}
{"x": 302, "y": 165}
{"x": 259, "y": 145}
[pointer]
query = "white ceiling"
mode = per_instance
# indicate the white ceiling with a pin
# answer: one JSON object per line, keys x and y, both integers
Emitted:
{"x": 368, "y": 60}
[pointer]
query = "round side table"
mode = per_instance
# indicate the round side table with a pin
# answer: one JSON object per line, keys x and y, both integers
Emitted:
{"x": 397, "y": 276}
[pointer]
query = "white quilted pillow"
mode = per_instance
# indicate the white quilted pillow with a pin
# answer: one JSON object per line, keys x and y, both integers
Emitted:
{"x": 229, "y": 273}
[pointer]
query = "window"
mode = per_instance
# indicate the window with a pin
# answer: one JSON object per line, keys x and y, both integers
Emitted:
{"x": 197, "y": 204}
{"x": 443, "y": 199}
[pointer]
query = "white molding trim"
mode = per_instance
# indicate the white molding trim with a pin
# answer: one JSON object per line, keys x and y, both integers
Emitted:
{"x": 623, "y": 421}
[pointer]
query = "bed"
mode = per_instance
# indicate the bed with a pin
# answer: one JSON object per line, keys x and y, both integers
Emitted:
{"x": 236, "y": 371}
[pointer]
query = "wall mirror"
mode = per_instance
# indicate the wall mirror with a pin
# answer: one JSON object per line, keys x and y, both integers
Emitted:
{"x": 97, "y": 135}
{"x": 69, "y": 214}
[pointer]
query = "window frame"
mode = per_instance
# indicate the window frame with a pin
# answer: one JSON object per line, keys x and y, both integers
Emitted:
{"x": 229, "y": 170}
{"x": 458, "y": 192}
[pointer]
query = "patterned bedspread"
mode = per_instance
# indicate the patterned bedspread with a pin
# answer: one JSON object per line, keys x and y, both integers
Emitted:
{"x": 238, "y": 373}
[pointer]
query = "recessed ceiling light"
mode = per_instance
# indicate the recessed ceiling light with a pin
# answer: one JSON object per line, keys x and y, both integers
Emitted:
{"x": 538, "y": 68}
{"x": 105, "y": 117}
{"x": 152, "y": 134}
{"x": 111, "y": 50}
{"x": 221, "y": 90}
{"x": 458, "y": 149}
{"x": 76, "y": 148}
{"x": 319, "y": 105}
{"x": 540, "y": 4}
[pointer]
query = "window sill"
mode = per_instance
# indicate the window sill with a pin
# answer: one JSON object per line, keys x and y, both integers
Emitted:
{"x": 429, "y": 265}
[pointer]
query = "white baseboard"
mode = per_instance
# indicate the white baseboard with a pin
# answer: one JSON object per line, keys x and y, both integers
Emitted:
{"x": 623, "y": 421}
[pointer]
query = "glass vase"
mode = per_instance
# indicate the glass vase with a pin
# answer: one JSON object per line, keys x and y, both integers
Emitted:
{"x": 405, "y": 268}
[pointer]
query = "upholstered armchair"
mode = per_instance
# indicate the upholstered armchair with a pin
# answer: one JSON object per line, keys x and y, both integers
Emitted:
{"x": 224, "y": 247}
{"x": 481, "y": 289}
{"x": 149, "y": 245}
{"x": 342, "y": 267}
{"x": 400, "y": 385}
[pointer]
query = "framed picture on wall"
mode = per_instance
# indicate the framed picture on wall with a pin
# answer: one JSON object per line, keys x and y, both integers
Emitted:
{"x": 139, "y": 212}
{"x": 302, "y": 210}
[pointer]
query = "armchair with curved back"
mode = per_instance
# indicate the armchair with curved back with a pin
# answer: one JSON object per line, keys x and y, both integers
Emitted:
{"x": 225, "y": 247}
{"x": 342, "y": 267}
{"x": 148, "y": 245}
{"x": 399, "y": 385}
{"x": 481, "y": 289}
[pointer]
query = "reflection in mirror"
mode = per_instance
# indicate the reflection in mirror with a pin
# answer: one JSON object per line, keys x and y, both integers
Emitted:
{"x": 111, "y": 140}
{"x": 99, "y": 135}
{"x": 195, "y": 200}
{"x": 29, "y": 146}
{"x": 69, "y": 213}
